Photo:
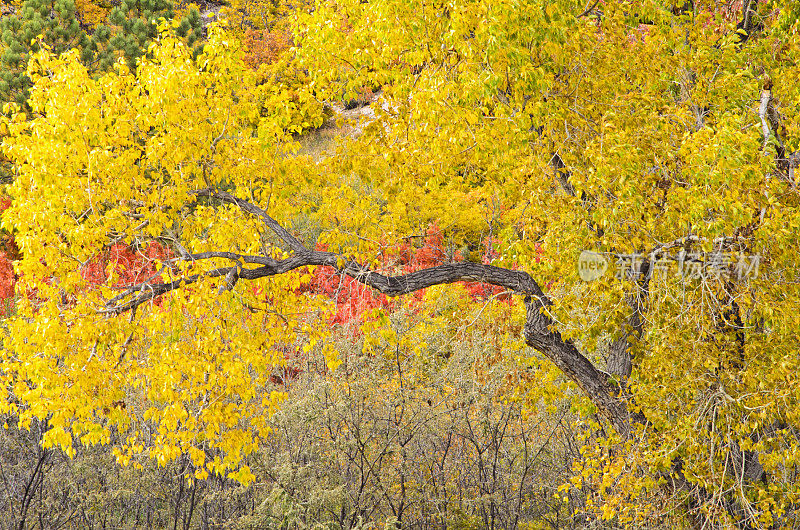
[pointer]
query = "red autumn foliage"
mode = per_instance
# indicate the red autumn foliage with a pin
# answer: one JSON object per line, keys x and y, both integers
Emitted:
{"x": 130, "y": 265}
{"x": 8, "y": 253}
{"x": 7, "y": 282}
{"x": 354, "y": 300}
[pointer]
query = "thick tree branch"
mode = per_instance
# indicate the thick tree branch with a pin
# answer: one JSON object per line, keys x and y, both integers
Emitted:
{"x": 271, "y": 223}
{"x": 540, "y": 332}
{"x": 620, "y": 361}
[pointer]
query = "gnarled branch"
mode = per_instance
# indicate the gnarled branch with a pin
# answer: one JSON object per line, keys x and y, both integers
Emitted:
{"x": 540, "y": 332}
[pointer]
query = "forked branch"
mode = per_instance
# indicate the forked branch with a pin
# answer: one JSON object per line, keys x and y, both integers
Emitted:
{"x": 540, "y": 331}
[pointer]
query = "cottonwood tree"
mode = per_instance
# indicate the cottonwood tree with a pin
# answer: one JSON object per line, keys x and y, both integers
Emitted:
{"x": 658, "y": 138}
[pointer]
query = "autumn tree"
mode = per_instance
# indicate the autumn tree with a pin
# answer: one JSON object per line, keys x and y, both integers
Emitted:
{"x": 647, "y": 150}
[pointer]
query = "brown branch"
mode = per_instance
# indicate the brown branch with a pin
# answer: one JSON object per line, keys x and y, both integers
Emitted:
{"x": 745, "y": 27}
{"x": 539, "y": 327}
{"x": 620, "y": 359}
{"x": 271, "y": 223}
{"x": 588, "y": 9}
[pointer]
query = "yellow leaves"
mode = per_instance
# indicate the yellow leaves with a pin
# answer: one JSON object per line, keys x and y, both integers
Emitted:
{"x": 243, "y": 475}
{"x": 118, "y": 157}
{"x": 58, "y": 437}
{"x": 607, "y": 512}
{"x": 90, "y": 13}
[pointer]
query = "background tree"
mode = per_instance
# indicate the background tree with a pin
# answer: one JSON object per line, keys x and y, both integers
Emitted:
{"x": 132, "y": 25}
{"x": 55, "y": 24}
{"x": 618, "y": 134}
{"x": 54, "y": 21}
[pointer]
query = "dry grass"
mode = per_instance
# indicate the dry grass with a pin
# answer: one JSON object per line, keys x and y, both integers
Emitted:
{"x": 342, "y": 124}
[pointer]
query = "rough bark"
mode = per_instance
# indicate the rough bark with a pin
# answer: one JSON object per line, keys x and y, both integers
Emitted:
{"x": 540, "y": 331}
{"x": 620, "y": 359}
{"x": 620, "y": 362}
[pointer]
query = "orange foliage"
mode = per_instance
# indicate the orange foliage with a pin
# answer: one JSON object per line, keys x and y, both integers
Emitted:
{"x": 7, "y": 282}
{"x": 128, "y": 265}
{"x": 263, "y": 47}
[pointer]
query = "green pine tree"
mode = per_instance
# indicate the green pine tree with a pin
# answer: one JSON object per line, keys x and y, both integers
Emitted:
{"x": 38, "y": 22}
{"x": 133, "y": 25}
